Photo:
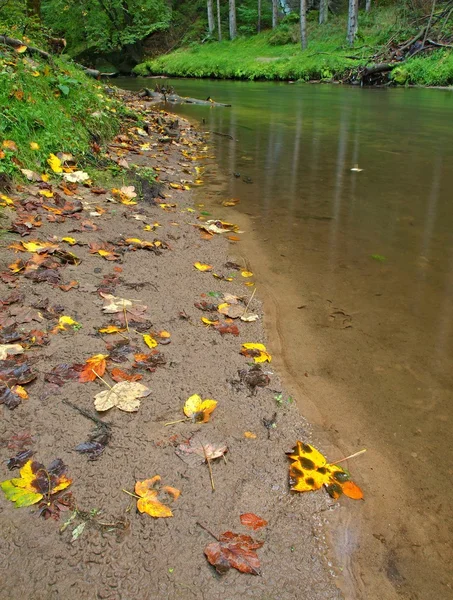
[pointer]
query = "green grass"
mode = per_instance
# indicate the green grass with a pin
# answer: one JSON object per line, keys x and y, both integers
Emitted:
{"x": 52, "y": 104}
{"x": 276, "y": 55}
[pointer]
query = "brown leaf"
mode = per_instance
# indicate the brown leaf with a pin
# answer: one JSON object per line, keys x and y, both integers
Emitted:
{"x": 234, "y": 550}
{"x": 197, "y": 450}
{"x": 253, "y": 521}
{"x": 119, "y": 375}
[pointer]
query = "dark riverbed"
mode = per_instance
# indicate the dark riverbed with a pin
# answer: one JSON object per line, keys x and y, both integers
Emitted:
{"x": 357, "y": 270}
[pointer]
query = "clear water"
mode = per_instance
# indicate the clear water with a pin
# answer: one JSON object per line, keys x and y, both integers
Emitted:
{"x": 368, "y": 255}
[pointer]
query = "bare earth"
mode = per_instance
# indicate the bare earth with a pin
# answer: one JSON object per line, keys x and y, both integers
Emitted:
{"x": 149, "y": 558}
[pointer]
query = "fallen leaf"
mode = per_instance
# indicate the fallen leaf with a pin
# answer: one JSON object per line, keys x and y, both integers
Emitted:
{"x": 124, "y": 395}
{"x": 115, "y": 304}
{"x": 63, "y": 373}
{"x": 119, "y": 375}
{"x": 309, "y": 471}
{"x": 93, "y": 366}
{"x": 252, "y": 521}
{"x": 197, "y": 451}
{"x": 208, "y": 322}
{"x": 233, "y": 311}
{"x": 76, "y": 177}
{"x": 256, "y": 351}
{"x": 149, "y": 340}
{"x": 250, "y": 435}
{"x": 202, "y": 267}
{"x": 246, "y": 274}
{"x": 199, "y": 410}
{"x": 64, "y": 322}
{"x": 150, "y": 492}
{"x": 55, "y": 163}
{"x": 10, "y": 349}
{"x": 35, "y": 482}
{"x": 18, "y": 461}
{"x": 234, "y": 550}
{"x": 112, "y": 329}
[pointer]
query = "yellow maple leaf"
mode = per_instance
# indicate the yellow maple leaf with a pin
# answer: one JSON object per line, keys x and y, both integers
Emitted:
{"x": 46, "y": 193}
{"x": 150, "y": 491}
{"x": 256, "y": 351}
{"x": 112, "y": 329}
{"x": 35, "y": 482}
{"x": 199, "y": 410}
{"x": 149, "y": 340}
{"x": 64, "y": 322}
{"x": 55, "y": 163}
{"x": 202, "y": 267}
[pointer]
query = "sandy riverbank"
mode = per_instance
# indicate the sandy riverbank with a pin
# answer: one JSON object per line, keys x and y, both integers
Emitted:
{"x": 138, "y": 556}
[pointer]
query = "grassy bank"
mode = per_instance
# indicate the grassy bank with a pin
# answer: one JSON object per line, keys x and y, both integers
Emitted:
{"x": 276, "y": 55}
{"x": 49, "y": 106}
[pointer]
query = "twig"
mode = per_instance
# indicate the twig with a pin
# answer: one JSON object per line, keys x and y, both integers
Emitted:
{"x": 206, "y": 529}
{"x": 208, "y": 462}
{"x": 222, "y": 134}
{"x": 335, "y": 462}
{"x": 429, "y": 23}
{"x": 87, "y": 414}
{"x": 248, "y": 303}
{"x": 103, "y": 380}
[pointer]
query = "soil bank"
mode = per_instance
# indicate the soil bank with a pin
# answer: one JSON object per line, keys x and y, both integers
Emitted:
{"x": 150, "y": 558}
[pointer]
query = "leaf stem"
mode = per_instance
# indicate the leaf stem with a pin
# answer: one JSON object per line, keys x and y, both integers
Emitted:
{"x": 103, "y": 380}
{"x": 207, "y": 530}
{"x": 131, "y": 494}
{"x": 178, "y": 421}
{"x": 208, "y": 462}
{"x": 335, "y": 462}
{"x": 248, "y": 303}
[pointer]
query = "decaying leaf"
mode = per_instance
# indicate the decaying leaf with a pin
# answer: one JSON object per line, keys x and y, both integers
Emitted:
{"x": 119, "y": 375}
{"x": 253, "y": 521}
{"x": 309, "y": 471}
{"x": 197, "y": 451}
{"x": 199, "y": 410}
{"x": 149, "y": 340}
{"x": 152, "y": 495}
{"x": 36, "y": 482}
{"x": 124, "y": 395}
{"x": 234, "y": 311}
{"x": 65, "y": 322}
{"x": 115, "y": 304}
{"x": 112, "y": 329}
{"x": 256, "y": 351}
{"x": 234, "y": 550}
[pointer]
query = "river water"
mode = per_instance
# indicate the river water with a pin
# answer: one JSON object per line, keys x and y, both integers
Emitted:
{"x": 356, "y": 271}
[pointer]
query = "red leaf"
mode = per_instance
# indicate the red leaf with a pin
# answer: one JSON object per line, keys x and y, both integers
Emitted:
{"x": 252, "y": 521}
{"x": 119, "y": 375}
{"x": 234, "y": 550}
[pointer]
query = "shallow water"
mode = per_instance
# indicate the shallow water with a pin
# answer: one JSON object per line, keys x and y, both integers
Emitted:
{"x": 357, "y": 270}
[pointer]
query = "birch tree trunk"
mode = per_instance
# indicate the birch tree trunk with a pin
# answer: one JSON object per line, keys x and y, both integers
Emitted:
{"x": 219, "y": 21}
{"x": 211, "y": 25}
{"x": 274, "y": 13}
{"x": 323, "y": 11}
{"x": 303, "y": 23}
{"x": 353, "y": 20}
{"x": 368, "y": 5}
{"x": 259, "y": 16}
{"x": 232, "y": 19}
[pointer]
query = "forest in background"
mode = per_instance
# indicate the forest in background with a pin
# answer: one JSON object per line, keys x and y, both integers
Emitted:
{"x": 269, "y": 39}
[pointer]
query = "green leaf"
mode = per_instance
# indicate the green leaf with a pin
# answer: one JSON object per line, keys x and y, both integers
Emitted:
{"x": 18, "y": 495}
{"x": 63, "y": 89}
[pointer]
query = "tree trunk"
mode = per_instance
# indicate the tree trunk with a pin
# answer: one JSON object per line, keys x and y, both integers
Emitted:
{"x": 211, "y": 25}
{"x": 303, "y": 23}
{"x": 323, "y": 11}
{"x": 353, "y": 20}
{"x": 259, "y": 16}
{"x": 274, "y": 13}
{"x": 232, "y": 19}
{"x": 368, "y": 5}
{"x": 219, "y": 21}
{"x": 34, "y": 8}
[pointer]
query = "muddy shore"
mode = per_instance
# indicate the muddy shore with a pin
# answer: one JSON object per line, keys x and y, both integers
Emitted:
{"x": 142, "y": 557}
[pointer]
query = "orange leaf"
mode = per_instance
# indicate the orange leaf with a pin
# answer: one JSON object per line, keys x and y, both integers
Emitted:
{"x": 119, "y": 375}
{"x": 93, "y": 366}
{"x": 352, "y": 490}
{"x": 149, "y": 491}
{"x": 252, "y": 521}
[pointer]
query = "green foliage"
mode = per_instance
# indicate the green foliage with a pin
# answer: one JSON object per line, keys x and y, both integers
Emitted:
{"x": 277, "y": 55}
{"x": 105, "y": 24}
{"x": 53, "y": 104}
